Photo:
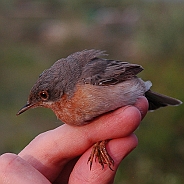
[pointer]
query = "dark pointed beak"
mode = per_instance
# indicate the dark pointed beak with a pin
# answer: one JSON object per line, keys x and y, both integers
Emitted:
{"x": 25, "y": 108}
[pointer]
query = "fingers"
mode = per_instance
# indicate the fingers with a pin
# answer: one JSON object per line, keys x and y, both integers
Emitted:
{"x": 117, "y": 148}
{"x": 15, "y": 170}
{"x": 13, "y": 167}
{"x": 142, "y": 105}
{"x": 50, "y": 151}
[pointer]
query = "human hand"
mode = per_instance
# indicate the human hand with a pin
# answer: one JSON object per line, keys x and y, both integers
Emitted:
{"x": 60, "y": 155}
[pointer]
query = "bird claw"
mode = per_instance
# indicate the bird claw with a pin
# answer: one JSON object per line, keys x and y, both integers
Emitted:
{"x": 99, "y": 152}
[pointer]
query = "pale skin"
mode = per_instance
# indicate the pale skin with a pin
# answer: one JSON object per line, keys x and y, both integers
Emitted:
{"x": 60, "y": 155}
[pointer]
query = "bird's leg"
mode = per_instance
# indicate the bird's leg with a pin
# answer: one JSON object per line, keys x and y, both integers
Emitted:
{"x": 99, "y": 152}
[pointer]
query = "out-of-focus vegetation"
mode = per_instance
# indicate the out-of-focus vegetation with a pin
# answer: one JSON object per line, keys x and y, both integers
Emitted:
{"x": 34, "y": 34}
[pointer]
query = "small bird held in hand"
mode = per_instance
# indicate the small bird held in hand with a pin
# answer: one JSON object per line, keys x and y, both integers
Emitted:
{"x": 83, "y": 86}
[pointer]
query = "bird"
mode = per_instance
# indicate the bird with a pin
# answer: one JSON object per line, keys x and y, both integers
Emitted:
{"x": 85, "y": 85}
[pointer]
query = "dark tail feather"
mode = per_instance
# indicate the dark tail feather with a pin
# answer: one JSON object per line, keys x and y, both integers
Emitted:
{"x": 157, "y": 100}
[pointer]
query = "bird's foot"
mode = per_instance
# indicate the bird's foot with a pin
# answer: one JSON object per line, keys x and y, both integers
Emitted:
{"x": 99, "y": 152}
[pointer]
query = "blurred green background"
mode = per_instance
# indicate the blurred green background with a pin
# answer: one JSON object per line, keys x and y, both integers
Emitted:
{"x": 34, "y": 34}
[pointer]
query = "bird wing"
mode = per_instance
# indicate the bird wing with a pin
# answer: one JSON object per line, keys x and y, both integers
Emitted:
{"x": 108, "y": 72}
{"x": 85, "y": 56}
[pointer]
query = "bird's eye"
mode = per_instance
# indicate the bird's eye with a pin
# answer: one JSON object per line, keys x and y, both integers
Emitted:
{"x": 44, "y": 95}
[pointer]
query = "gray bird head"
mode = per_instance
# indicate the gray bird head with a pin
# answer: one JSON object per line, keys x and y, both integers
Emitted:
{"x": 47, "y": 89}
